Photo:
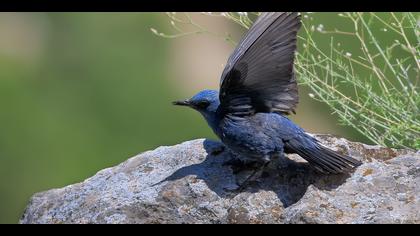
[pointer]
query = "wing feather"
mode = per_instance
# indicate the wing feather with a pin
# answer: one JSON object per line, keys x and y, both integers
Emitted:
{"x": 259, "y": 76}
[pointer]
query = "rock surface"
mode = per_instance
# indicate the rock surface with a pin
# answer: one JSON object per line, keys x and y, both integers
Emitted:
{"x": 186, "y": 183}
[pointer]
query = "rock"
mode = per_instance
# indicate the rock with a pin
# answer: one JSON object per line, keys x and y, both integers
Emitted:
{"x": 190, "y": 183}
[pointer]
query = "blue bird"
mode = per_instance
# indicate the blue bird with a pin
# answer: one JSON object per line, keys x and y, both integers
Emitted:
{"x": 258, "y": 89}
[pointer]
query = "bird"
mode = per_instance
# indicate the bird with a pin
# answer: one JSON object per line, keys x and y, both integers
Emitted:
{"x": 258, "y": 90}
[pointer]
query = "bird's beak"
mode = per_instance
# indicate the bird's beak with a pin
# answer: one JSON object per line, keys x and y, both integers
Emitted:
{"x": 182, "y": 103}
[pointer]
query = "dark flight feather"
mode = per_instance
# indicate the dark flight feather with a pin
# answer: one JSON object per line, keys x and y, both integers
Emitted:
{"x": 259, "y": 74}
{"x": 322, "y": 158}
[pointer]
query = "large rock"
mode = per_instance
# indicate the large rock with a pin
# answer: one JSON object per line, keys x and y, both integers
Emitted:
{"x": 186, "y": 183}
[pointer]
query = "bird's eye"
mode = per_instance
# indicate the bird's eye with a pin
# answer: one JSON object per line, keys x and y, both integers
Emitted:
{"x": 203, "y": 104}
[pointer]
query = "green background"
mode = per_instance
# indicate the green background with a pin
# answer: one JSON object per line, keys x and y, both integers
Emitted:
{"x": 80, "y": 92}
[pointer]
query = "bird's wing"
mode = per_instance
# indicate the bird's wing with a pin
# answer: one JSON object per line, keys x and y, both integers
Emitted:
{"x": 259, "y": 76}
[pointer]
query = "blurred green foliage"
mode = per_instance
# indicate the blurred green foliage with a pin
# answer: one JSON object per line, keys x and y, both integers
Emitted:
{"x": 97, "y": 96}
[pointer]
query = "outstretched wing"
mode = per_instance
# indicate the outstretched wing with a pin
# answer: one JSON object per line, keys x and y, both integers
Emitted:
{"x": 259, "y": 74}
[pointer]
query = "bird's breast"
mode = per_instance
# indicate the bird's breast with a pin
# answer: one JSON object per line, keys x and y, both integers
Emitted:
{"x": 248, "y": 138}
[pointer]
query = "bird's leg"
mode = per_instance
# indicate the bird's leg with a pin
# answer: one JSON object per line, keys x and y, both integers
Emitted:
{"x": 237, "y": 165}
{"x": 260, "y": 169}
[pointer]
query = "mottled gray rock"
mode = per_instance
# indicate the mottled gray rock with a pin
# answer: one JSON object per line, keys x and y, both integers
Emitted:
{"x": 186, "y": 183}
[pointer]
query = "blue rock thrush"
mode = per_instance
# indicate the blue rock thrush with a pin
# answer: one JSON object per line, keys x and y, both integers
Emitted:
{"x": 258, "y": 88}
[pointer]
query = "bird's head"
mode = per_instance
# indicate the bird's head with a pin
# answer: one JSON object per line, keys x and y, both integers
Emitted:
{"x": 206, "y": 101}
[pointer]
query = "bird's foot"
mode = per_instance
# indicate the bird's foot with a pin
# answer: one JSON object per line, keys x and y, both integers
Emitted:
{"x": 217, "y": 150}
{"x": 258, "y": 172}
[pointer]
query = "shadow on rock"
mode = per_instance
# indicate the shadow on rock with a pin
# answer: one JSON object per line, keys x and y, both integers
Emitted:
{"x": 288, "y": 179}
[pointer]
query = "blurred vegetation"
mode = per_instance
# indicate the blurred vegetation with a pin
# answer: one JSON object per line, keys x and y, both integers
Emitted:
{"x": 374, "y": 88}
{"x": 80, "y": 92}
{"x": 96, "y": 96}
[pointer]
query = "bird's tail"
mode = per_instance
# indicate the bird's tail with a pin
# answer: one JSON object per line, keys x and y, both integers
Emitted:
{"x": 321, "y": 158}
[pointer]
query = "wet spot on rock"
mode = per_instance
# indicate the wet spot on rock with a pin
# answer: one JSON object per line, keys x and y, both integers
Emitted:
{"x": 410, "y": 199}
{"x": 277, "y": 212}
{"x": 148, "y": 169}
{"x": 311, "y": 214}
{"x": 414, "y": 172}
{"x": 238, "y": 216}
{"x": 381, "y": 153}
{"x": 323, "y": 205}
{"x": 367, "y": 172}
